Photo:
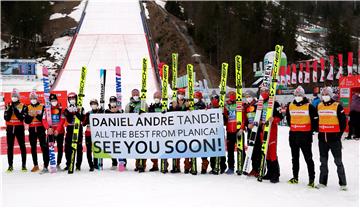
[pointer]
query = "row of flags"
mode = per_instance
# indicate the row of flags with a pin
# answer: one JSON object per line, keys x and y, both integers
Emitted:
{"x": 291, "y": 75}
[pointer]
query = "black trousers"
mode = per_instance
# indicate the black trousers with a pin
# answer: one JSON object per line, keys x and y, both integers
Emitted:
{"x": 19, "y": 133}
{"x": 68, "y": 149}
{"x": 334, "y": 145}
{"x": 34, "y": 134}
{"x": 59, "y": 139}
{"x": 354, "y": 124}
{"x": 231, "y": 140}
{"x": 222, "y": 163}
{"x": 256, "y": 155}
{"x": 302, "y": 141}
{"x": 89, "y": 151}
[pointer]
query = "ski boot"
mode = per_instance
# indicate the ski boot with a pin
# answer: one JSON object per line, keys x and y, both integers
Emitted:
{"x": 23, "y": 169}
{"x": 294, "y": 181}
{"x": 320, "y": 185}
{"x": 35, "y": 169}
{"x": 203, "y": 171}
{"x": 43, "y": 171}
{"x": 186, "y": 171}
{"x": 10, "y": 169}
{"x": 230, "y": 171}
{"x": 343, "y": 188}
{"x": 311, "y": 184}
{"x": 154, "y": 168}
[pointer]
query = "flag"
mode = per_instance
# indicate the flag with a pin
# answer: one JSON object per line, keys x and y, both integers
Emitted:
{"x": 288, "y": 71}
{"x": 340, "y": 71}
{"x": 314, "y": 77}
{"x": 307, "y": 72}
{"x": 282, "y": 75}
{"x": 301, "y": 74}
{"x": 322, "y": 68}
{"x": 293, "y": 74}
{"x": 330, "y": 75}
{"x": 350, "y": 63}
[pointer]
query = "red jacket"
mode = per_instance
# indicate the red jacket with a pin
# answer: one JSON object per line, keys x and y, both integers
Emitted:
{"x": 58, "y": 119}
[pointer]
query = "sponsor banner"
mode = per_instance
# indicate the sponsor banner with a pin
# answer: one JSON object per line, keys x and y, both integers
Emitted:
{"x": 187, "y": 134}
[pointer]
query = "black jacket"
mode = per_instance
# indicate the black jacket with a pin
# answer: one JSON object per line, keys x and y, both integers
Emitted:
{"x": 11, "y": 109}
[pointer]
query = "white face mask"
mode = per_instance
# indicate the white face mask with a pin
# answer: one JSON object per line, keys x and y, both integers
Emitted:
{"x": 157, "y": 100}
{"x": 72, "y": 102}
{"x": 196, "y": 100}
{"x": 180, "y": 96}
{"x": 298, "y": 99}
{"x": 136, "y": 98}
{"x": 54, "y": 103}
{"x": 326, "y": 98}
{"x": 33, "y": 101}
{"x": 94, "y": 107}
{"x": 249, "y": 99}
{"x": 112, "y": 104}
{"x": 14, "y": 99}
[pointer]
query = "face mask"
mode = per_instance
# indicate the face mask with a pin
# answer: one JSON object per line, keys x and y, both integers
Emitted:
{"x": 94, "y": 107}
{"x": 54, "y": 103}
{"x": 326, "y": 98}
{"x": 180, "y": 96}
{"x": 136, "y": 98}
{"x": 215, "y": 102}
{"x": 298, "y": 99}
{"x": 196, "y": 100}
{"x": 113, "y": 104}
{"x": 249, "y": 99}
{"x": 157, "y": 100}
{"x": 265, "y": 95}
{"x": 232, "y": 97}
{"x": 14, "y": 99}
{"x": 33, "y": 101}
{"x": 72, "y": 102}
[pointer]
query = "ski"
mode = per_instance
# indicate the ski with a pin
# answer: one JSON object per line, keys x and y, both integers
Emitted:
{"x": 223, "y": 80}
{"x": 255, "y": 129}
{"x": 164, "y": 101}
{"x": 190, "y": 74}
{"x": 174, "y": 58}
{"x": 102, "y": 104}
{"x": 239, "y": 138}
{"x": 119, "y": 105}
{"x": 143, "y": 94}
{"x": 77, "y": 121}
{"x": 51, "y": 141}
{"x": 207, "y": 92}
{"x": 269, "y": 110}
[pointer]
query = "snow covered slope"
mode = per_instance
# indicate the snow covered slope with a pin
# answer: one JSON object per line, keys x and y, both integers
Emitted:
{"x": 111, "y": 35}
{"x": 154, "y": 189}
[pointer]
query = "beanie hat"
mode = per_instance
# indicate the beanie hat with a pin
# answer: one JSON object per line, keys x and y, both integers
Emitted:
{"x": 250, "y": 93}
{"x": 299, "y": 91}
{"x": 327, "y": 90}
{"x": 15, "y": 93}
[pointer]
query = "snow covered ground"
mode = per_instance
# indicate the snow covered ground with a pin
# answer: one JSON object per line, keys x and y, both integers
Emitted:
{"x": 131, "y": 189}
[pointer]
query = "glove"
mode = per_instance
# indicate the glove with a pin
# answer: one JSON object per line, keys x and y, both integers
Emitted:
{"x": 122, "y": 111}
{"x": 141, "y": 111}
{"x": 50, "y": 131}
{"x": 163, "y": 112}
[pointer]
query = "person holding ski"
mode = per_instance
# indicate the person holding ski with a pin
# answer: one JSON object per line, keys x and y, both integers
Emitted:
{"x": 14, "y": 116}
{"x": 113, "y": 108}
{"x": 37, "y": 130}
{"x": 157, "y": 107}
{"x": 273, "y": 168}
{"x": 302, "y": 119}
{"x": 135, "y": 107}
{"x": 332, "y": 124}
{"x": 181, "y": 104}
{"x": 249, "y": 111}
{"x": 94, "y": 104}
{"x": 57, "y": 128}
{"x": 198, "y": 105}
{"x": 230, "y": 123}
{"x": 70, "y": 112}
{"x": 214, "y": 103}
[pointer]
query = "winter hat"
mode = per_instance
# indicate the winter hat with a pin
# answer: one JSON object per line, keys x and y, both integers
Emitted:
{"x": 94, "y": 101}
{"x": 112, "y": 99}
{"x": 157, "y": 94}
{"x": 181, "y": 91}
{"x": 198, "y": 94}
{"x": 328, "y": 91}
{"x": 134, "y": 92}
{"x": 250, "y": 93}
{"x": 53, "y": 97}
{"x": 299, "y": 91}
{"x": 33, "y": 95}
{"x": 15, "y": 93}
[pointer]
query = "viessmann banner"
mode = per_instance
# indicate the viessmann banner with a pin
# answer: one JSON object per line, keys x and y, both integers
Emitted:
{"x": 187, "y": 134}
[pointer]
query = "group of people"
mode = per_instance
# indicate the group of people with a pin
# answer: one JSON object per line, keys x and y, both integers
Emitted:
{"x": 327, "y": 118}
